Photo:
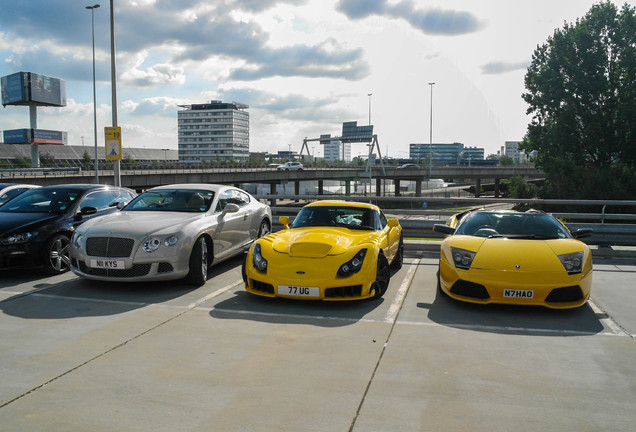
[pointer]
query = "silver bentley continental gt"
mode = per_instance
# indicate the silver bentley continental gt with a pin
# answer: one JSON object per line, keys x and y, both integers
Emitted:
{"x": 169, "y": 232}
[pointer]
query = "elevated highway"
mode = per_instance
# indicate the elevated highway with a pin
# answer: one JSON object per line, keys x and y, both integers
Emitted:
{"x": 140, "y": 179}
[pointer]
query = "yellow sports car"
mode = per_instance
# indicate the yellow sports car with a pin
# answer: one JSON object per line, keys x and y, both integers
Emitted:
{"x": 334, "y": 250}
{"x": 511, "y": 257}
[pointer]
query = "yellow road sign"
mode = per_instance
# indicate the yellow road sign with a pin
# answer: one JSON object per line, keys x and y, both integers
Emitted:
{"x": 112, "y": 138}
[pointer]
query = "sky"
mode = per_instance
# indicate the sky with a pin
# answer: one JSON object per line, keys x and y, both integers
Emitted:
{"x": 303, "y": 66}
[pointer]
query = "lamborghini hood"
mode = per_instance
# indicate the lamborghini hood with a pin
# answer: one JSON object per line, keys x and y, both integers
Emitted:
{"x": 512, "y": 254}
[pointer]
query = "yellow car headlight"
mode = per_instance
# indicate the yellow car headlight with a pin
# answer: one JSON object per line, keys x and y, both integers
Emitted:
{"x": 353, "y": 265}
{"x": 462, "y": 258}
{"x": 573, "y": 262}
{"x": 259, "y": 262}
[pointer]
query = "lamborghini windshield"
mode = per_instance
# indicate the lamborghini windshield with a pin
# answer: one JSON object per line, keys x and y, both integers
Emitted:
{"x": 534, "y": 225}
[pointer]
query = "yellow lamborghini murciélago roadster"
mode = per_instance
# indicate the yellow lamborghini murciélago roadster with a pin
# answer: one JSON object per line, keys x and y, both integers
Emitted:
{"x": 334, "y": 250}
{"x": 511, "y": 257}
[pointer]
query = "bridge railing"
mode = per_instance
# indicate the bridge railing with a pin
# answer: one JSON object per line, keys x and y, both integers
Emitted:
{"x": 609, "y": 228}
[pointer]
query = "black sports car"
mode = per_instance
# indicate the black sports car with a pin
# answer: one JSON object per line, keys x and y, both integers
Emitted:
{"x": 36, "y": 226}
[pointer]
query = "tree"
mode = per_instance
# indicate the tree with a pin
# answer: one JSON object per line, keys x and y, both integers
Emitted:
{"x": 581, "y": 91}
{"x": 505, "y": 161}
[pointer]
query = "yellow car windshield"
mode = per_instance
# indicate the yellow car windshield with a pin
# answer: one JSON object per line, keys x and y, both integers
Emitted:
{"x": 512, "y": 225}
{"x": 337, "y": 216}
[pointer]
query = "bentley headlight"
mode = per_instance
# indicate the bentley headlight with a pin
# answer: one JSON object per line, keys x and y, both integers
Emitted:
{"x": 462, "y": 258}
{"x": 151, "y": 245}
{"x": 573, "y": 262}
{"x": 18, "y": 238}
{"x": 353, "y": 265}
{"x": 172, "y": 240}
{"x": 259, "y": 262}
{"x": 78, "y": 240}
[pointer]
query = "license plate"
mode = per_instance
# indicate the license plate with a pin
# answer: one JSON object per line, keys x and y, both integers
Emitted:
{"x": 107, "y": 264}
{"x": 521, "y": 294}
{"x": 298, "y": 291}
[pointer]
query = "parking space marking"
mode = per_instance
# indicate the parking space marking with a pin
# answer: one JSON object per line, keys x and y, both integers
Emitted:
{"x": 607, "y": 321}
{"x": 395, "y": 307}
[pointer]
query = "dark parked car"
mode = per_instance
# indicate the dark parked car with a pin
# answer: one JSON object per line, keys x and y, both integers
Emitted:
{"x": 36, "y": 226}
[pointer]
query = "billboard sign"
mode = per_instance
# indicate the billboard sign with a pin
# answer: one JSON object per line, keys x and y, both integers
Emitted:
{"x": 13, "y": 88}
{"x": 42, "y": 136}
{"x": 17, "y": 136}
{"x": 39, "y": 136}
{"x": 28, "y": 88}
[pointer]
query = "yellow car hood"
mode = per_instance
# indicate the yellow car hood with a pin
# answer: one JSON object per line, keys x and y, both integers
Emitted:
{"x": 318, "y": 242}
{"x": 512, "y": 254}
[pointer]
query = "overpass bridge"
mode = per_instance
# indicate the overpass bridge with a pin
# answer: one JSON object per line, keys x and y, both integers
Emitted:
{"x": 140, "y": 179}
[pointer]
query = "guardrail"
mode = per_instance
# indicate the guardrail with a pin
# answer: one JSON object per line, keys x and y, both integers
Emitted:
{"x": 418, "y": 223}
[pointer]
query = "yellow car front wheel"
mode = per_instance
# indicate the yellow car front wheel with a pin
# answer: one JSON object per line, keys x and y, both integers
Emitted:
{"x": 383, "y": 274}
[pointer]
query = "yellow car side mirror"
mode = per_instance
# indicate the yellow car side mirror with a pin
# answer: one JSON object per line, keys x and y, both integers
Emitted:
{"x": 284, "y": 220}
{"x": 393, "y": 223}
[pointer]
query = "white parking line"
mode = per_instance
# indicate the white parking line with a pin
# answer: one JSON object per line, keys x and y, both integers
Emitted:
{"x": 607, "y": 321}
{"x": 395, "y": 307}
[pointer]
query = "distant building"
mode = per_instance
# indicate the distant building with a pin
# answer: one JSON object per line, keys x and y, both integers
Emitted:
{"x": 213, "y": 131}
{"x": 446, "y": 154}
{"x": 334, "y": 149}
{"x": 511, "y": 149}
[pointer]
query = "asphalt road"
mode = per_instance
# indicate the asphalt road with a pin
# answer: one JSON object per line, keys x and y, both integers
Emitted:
{"x": 84, "y": 356}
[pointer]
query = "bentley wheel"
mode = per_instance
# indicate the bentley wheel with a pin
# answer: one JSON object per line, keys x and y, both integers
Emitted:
{"x": 199, "y": 263}
{"x": 57, "y": 257}
{"x": 399, "y": 257}
{"x": 383, "y": 274}
{"x": 264, "y": 228}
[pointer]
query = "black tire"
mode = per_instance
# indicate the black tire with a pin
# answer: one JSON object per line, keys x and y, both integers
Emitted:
{"x": 57, "y": 254}
{"x": 264, "y": 229}
{"x": 199, "y": 263}
{"x": 399, "y": 257}
{"x": 383, "y": 275}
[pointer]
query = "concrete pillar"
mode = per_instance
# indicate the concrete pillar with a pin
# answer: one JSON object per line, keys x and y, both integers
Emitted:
{"x": 496, "y": 188}
{"x": 320, "y": 187}
{"x": 347, "y": 187}
{"x": 477, "y": 187}
{"x": 297, "y": 188}
{"x": 397, "y": 187}
{"x": 378, "y": 186}
{"x": 418, "y": 188}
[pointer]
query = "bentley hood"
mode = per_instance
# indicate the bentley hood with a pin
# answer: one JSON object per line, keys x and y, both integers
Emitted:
{"x": 137, "y": 223}
{"x": 319, "y": 242}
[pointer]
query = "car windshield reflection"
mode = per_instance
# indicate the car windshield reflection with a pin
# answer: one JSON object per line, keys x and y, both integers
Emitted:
{"x": 173, "y": 200}
{"x": 337, "y": 216}
{"x": 538, "y": 226}
{"x": 54, "y": 201}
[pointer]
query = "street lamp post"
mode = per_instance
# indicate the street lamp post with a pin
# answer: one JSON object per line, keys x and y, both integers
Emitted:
{"x": 113, "y": 78}
{"x": 430, "y": 146}
{"x": 92, "y": 9}
{"x": 370, "y": 94}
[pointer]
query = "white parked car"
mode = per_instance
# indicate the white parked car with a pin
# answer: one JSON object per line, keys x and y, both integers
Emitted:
{"x": 170, "y": 232}
{"x": 290, "y": 166}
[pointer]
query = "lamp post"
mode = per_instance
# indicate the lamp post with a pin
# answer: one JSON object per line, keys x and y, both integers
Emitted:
{"x": 113, "y": 78}
{"x": 92, "y": 9}
{"x": 430, "y": 146}
{"x": 370, "y": 94}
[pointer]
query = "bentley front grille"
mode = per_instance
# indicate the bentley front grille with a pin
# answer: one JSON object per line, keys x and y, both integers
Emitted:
{"x": 109, "y": 247}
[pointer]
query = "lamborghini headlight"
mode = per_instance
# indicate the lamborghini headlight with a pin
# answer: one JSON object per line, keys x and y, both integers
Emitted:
{"x": 573, "y": 262}
{"x": 259, "y": 262}
{"x": 353, "y": 265}
{"x": 462, "y": 258}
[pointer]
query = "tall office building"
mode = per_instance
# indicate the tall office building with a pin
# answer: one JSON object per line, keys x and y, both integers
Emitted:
{"x": 446, "y": 154}
{"x": 334, "y": 149}
{"x": 213, "y": 131}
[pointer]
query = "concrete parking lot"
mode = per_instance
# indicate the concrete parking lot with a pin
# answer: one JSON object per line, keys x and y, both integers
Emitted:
{"x": 86, "y": 356}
